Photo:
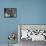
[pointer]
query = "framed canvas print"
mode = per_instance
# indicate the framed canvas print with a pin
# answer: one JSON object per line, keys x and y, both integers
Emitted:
{"x": 10, "y": 12}
{"x": 32, "y": 32}
{"x": 29, "y": 34}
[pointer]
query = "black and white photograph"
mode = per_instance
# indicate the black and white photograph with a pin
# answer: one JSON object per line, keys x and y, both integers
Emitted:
{"x": 10, "y": 12}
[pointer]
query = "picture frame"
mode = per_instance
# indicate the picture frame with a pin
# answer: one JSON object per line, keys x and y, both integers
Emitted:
{"x": 10, "y": 12}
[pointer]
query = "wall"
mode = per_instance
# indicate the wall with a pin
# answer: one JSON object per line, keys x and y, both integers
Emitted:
{"x": 33, "y": 12}
{"x": 28, "y": 12}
